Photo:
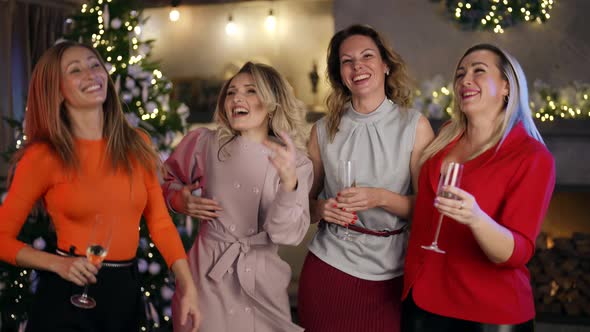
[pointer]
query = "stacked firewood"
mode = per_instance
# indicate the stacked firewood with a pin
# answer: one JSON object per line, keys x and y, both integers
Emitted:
{"x": 560, "y": 273}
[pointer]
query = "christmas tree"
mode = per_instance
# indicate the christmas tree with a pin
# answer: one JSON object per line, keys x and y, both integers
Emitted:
{"x": 113, "y": 27}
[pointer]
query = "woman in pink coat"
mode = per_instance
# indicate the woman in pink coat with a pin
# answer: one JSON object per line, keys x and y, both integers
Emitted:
{"x": 248, "y": 182}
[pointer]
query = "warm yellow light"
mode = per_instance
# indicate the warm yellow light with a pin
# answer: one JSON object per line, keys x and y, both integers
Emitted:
{"x": 231, "y": 28}
{"x": 271, "y": 21}
{"x": 468, "y": 6}
{"x": 174, "y": 14}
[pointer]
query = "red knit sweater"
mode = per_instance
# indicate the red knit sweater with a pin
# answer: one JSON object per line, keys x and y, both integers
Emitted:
{"x": 513, "y": 185}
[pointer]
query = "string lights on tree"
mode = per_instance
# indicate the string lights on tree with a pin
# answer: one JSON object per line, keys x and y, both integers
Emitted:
{"x": 114, "y": 28}
{"x": 496, "y": 15}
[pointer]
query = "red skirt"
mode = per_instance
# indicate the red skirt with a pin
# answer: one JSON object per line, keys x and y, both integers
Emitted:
{"x": 331, "y": 300}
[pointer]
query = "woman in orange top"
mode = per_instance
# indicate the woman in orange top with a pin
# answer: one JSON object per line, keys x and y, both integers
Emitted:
{"x": 83, "y": 159}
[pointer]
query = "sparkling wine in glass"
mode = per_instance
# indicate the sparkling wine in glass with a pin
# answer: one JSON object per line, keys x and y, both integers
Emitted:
{"x": 347, "y": 176}
{"x": 450, "y": 176}
{"x": 98, "y": 246}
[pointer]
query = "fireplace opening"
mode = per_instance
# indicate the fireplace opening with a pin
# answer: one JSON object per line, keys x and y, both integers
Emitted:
{"x": 560, "y": 268}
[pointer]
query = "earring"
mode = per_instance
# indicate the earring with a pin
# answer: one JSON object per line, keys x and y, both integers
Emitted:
{"x": 387, "y": 72}
{"x": 506, "y": 98}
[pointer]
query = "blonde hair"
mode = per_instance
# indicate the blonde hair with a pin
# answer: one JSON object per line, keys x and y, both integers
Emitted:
{"x": 398, "y": 85}
{"x": 285, "y": 111}
{"x": 516, "y": 108}
{"x": 47, "y": 120}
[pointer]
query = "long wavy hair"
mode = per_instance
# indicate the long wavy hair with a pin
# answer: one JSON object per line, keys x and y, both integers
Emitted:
{"x": 516, "y": 109}
{"x": 47, "y": 120}
{"x": 398, "y": 85}
{"x": 285, "y": 111}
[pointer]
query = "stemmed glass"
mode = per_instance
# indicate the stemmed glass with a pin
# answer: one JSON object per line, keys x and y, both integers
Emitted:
{"x": 98, "y": 246}
{"x": 450, "y": 176}
{"x": 347, "y": 176}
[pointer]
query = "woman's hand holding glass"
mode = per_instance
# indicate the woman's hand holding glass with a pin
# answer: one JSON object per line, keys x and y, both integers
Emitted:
{"x": 463, "y": 207}
{"x": 77, "y": 270}
{"x": 358, "y": 199}
{"x": 99, "y": 241}
{"x": 187, "y": 203}
{"x": 330, "y": 212}
{"x": 450, "y": 177}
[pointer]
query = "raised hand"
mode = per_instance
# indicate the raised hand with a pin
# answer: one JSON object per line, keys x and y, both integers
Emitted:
{"x": 186, "y": 203}
{"x": 283, "y": 159}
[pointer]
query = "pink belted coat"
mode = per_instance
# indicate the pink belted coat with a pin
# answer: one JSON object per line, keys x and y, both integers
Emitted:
{"x": 241, "y": 280}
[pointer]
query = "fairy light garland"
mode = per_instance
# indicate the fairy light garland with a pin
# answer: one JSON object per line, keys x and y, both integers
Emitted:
{"x": 547, "y": 104}
{"x": 496, "y": 15}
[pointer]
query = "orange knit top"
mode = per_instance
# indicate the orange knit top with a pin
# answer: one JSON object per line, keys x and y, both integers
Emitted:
{"x": 74, "y": 199}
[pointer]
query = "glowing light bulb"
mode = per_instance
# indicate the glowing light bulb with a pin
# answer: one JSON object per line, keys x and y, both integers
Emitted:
{"x": 174, "y": 14}
{"x": 271, "y": 21}
{"x": 231, "y": 28}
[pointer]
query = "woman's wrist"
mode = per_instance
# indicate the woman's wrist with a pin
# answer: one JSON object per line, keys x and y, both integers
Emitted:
{"x": 289, "y": 184}
{"x": 380, "y": 197}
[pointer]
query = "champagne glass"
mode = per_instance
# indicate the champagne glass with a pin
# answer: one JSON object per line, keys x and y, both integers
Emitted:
{"x": 347, "y": 176}
{"x": 98, "y": 246}
{"x": 450, "y": 176}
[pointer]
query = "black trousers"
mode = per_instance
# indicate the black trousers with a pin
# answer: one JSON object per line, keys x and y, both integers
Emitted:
{"x": 415, "y": 319}
{"x": 119, "y": 305}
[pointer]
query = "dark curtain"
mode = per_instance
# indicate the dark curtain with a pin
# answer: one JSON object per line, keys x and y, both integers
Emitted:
{"x": 27, "y": 29}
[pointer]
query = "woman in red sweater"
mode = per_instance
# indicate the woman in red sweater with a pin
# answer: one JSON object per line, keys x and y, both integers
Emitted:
{"x": 489, "y": 233}
{"x": 82, "y": 159}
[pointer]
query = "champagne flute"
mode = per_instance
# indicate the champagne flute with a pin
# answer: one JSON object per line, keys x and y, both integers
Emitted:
{"x": 347, "y": 176}
{"x": 450, "y": 176}
{"x": 98, "y": 246}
